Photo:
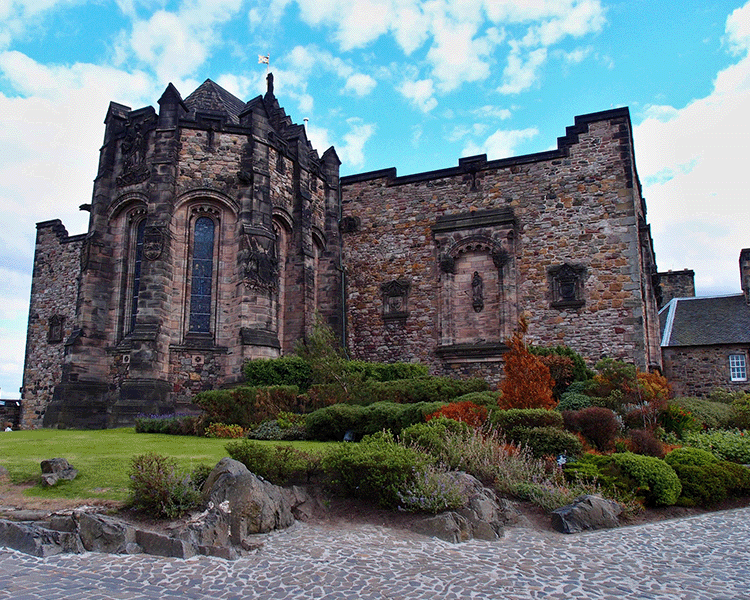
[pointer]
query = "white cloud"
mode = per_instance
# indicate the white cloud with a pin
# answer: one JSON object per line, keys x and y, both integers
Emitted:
{"x": 738, "y": 30}
{"x": 420, "y": 93}
{"x": 501, "y": 144}
{"x": 692, "y": 163}
{"x": 360, "y": 84}
{"x": 520, "y": 73}
{"x": 352, "y": 151}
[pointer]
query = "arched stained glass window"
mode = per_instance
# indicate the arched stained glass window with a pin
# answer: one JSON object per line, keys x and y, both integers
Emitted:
{"x": 137, "y": 261}
{"x": 202, "y": 276}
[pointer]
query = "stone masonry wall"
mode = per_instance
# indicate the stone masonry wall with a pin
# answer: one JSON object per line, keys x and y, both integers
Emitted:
{"x": 54, "y": 287}
{"x": 580, "y": 210}
{"x": 696, "y": 371}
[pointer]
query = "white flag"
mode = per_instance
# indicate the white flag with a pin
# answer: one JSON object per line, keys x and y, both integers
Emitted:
{"x": 263, "y": 59}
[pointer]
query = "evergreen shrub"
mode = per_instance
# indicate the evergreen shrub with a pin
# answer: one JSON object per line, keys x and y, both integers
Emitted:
{"x": 159, "y": 489}
{"x": 277, "y": 464}
{"x": 286, "y": 370}
{"x": 598, "y": 425}
{"x": 655, "y": 480}
{"x": 510, "y": 420}
{"x": 712, "y": 415}
{"x": 248, "y": 406}
{"x": 573, "y": 401}
{"x": 548, "y": 441}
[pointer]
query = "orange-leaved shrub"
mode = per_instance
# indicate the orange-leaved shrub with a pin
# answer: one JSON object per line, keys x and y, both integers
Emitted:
{"x": 466, "y": 412}
{"x": 527, "y": 382}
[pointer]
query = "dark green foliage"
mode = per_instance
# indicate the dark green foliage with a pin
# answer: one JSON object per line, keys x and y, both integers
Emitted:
{"x": 737, "y": 478}
{"x": 423, "y": 389}
{"x": 247, "y": 406}
{"x": 582, "y": 387}
{"x": 375, "y": 469}
{"x": 487, "y": 399}
{"x": 598, "y": 425}
{"x": 332, "y": 422}
{"x": 159, "y": 489}
{"x": 432, "y": 436}
{"x": 702, "y": 485}
{"x": 741, "y": 412}
{"x": 690, "y": 456}
{"x": 510, "y": 420}
{"x": 655, "y": 480}
{"x": 573, "y": 401}
{"x": 277, "y": 464}
{"x": 287, "y": 370}
{"x": 675, "y": 419}
{"x": 387, "y": 371}
{"x": 713, "y": 415}
{"x": 199, "y": 475}
{"x": 547, "y": 441}
{"x": 580, "y": 371}
{"x": 170, "y": 424}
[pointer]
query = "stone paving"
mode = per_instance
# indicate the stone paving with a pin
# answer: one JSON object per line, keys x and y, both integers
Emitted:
{"x": 700, "y": 558}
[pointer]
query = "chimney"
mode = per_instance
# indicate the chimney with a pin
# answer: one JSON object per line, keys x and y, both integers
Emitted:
{"x": 745, "y": 273}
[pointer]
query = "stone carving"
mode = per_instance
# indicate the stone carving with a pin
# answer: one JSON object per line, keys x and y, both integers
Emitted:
{"x": 259, "y": 261}
{"x": 153, "y": 242}
{"x": 448, "y": 264}
{"x": 349, "y": 224}
{"x": 134, "y": 148}
{"x": 56, "y": 330}
{"x": 477, "y": 292}
{"x": 567, "y": 286}
{"x": 394, "y": 299}
{"x": 500, "y": 257}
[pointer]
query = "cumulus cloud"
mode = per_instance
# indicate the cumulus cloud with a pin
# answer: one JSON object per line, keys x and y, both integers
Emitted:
{"x": 352, "y": 152}
{"x": 420, "y": 94}
{"x": 691, "y": 161}
{"x": 501, "y": 144}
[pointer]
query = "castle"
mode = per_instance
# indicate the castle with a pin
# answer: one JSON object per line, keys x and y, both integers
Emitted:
{"x": 217, "y": 234}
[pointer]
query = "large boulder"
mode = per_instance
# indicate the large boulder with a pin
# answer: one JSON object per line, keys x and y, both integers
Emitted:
{"x": 100, "y": 533}
{"x": 483, "y": 517}
{"x": 32, "y": 538}
{"x": 586, "y": 512}
{"x": 252, "y": 504}
{"x": 56, "y": 469}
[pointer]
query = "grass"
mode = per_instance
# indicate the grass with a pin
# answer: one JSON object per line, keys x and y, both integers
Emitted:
{"x": 103, "y": 458}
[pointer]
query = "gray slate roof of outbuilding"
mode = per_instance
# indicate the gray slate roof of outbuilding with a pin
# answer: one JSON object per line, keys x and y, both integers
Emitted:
{"x": 705, "y": 321}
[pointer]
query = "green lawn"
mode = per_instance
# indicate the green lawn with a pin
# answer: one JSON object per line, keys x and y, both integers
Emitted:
{"x": 102, "y": 457}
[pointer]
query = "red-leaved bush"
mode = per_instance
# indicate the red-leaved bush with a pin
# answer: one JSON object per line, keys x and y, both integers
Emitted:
{"x": 467, "y": 412}
{"x": 598, "y": 425}
{"x": 527, "y": 382}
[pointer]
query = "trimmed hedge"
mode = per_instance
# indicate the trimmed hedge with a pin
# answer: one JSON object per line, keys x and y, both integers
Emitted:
{"x": 333, "y": 422}
{"x": 287, "y": 370}
{"x": 248, "y": 406}
{"x": 656, "y": 481}
{"x": 548, "y": 441}
{"x": 510, "y": 420}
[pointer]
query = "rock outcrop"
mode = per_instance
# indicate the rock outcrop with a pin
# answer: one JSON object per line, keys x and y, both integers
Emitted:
{"x": 586, "y": 512}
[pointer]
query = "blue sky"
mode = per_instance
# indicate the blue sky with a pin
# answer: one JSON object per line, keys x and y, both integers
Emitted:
{"x": 390, "y": 83}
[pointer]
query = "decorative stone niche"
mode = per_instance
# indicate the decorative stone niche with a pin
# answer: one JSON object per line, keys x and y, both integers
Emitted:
{"x": 566, "y": 286}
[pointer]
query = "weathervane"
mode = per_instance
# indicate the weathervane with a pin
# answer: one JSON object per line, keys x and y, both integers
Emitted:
{"x": 266, "y": 60}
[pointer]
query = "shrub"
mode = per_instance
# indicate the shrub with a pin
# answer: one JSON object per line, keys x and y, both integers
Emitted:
{"x": 741, "y": 412}
{"x": 332, "y": 422}
{"x": 645, "y": 442}
{"x": 598, "y": 425}
{"x": 247, "y": 406}
{"x": 378, "y": 371}
{"x": 515, "y": 418}
{"x": 170, "y": 424}
{"x": 158, "y": 489}
{"x": 712, "y": 415}
{"x": 690, "y": 456}
{"x": 433, "y": 436}
{"x": 527, "y": 382}
{"x": 675, "y": 419}
{"x": 466, "y": 412}
{"x": 579, "y": 371}
{"x": 277, "y": 464}
{"x": 573, "y": 401}
{"x": 548, "y": 441}
{"x": 222, "y": 430}
{"x": 489, "y": 399}
{"x": 733, "y": 445}
{"x": 725, "y": 396}
{"x": 423, "y": 389}
{"x": 377, "y": 469}
{"x": 433, "y": 490}
{"x": 287, "y": 370}
{"x": 657, "y": 482}
{"x": 702, "y": 485}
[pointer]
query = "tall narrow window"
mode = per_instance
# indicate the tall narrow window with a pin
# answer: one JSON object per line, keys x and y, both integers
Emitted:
{"x": 737, "y": 367}
{"x": 137, "y": 261}
{"x": 202, "y": 276}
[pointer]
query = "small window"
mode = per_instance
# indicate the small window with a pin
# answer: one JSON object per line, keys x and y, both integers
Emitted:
{"x": 56, "y": 330}
{"x": 202, "y": 276}
{"x": 737, "y": 367}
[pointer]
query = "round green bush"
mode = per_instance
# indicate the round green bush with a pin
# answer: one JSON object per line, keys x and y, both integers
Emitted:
{"x": 432, "y": 436}
{"x": 702, "y": 485}
{"x": 332, "y": 422}
{"x": 657, "y": 482}
{"x": 487, "y": 399}
{"x": 515, "y": 418}
{"x": 690, "y": 456}
{"x": 573, "y": 401}
{"x": 548, "y": 441}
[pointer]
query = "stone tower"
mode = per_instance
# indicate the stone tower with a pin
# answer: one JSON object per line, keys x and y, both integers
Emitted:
{"x": 213, "y": 239}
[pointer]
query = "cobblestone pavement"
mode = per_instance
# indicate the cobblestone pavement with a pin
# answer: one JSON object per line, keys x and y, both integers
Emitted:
{"x": 705, "y": 557}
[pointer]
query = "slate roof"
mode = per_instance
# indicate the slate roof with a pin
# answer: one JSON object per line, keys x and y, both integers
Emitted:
{"x": 705, "y": 321}
{"x": 211, "y": 97}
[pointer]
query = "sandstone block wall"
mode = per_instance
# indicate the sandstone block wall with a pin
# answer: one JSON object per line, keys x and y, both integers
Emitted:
{"x": 559, "y": 238}
{"x": 54, "y": 288}
{"x": 697, "y": 370}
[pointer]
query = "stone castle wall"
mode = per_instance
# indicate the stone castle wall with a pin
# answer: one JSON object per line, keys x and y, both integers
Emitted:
{"x": 698, "y": 370}
{"x": 517, "y": 224}
{"x": 54, "y": 288}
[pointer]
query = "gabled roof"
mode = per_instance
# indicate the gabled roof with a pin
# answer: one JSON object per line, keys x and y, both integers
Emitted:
{"x": 705, "y": 321}
{"x": 211, "y": 97}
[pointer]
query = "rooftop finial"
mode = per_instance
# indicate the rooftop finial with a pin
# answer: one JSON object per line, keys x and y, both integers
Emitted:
{"x": 269, "y": 79}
